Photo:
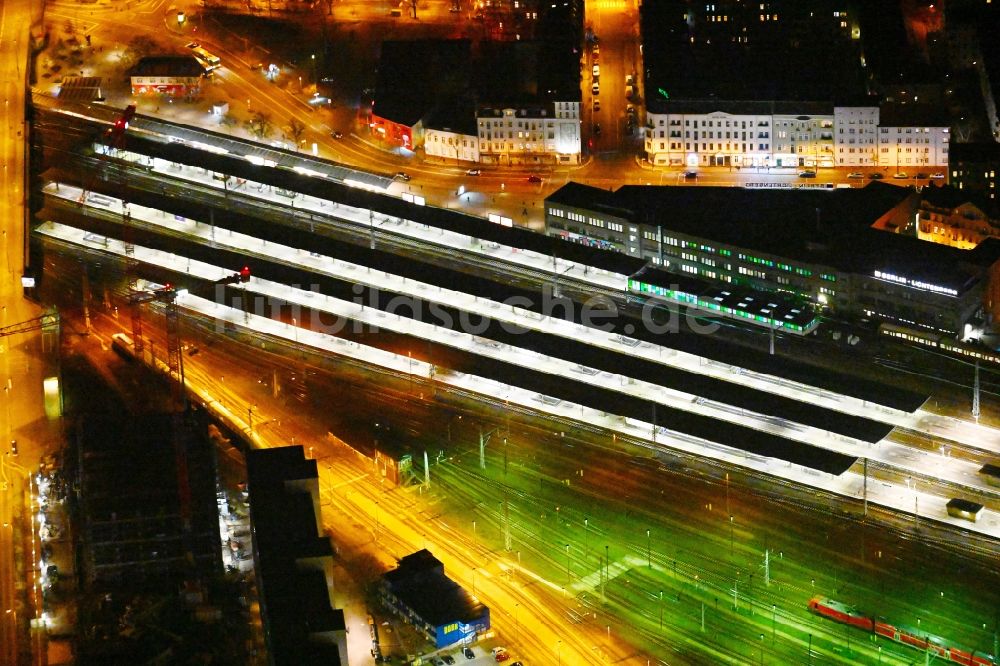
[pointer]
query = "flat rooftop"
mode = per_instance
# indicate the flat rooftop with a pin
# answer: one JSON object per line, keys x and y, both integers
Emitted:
{"x": 820, "y": 227}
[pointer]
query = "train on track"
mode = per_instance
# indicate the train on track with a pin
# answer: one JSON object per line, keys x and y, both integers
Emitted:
{"x": 934, "y": 645}
{"x": 942, "y": 343}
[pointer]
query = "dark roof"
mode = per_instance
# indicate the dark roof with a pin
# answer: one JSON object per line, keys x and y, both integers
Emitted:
{"x": 453, "y": 116}
{"x": 912, "y": 115}
{"x": 949, "y": 197}
{"x": 745, "y": 107}
{"x": 85, "y": 88}
{"x": 295, "y": 603}
{"x": 167, "y": 66}
{"x": 820, "y": 227}
{"x": 404, "y": 94}
{"x": 419, "y": 582}
{"x": 964, "y": 505}
{"x": 981, "y": 151}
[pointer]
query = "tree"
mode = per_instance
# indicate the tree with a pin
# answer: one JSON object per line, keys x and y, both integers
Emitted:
{"x": 138, "y": 48}
{"x": 296, "y": 128}
{"x": 259, "y": 125}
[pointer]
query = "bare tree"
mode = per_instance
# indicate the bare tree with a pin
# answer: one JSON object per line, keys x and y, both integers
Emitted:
{"x": 296, "y": 128}
{"x": 138, "y": 48}
{"x": 259, "y": 125}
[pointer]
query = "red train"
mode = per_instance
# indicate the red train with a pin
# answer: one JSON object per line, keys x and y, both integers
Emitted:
{"x": 838, "y": 612}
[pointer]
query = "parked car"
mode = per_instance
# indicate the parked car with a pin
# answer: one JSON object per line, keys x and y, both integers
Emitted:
{"x": 901, "y": 175}
{"x": 855, "y": 174}
{"x": 876, "y": 175}
{"x": 448, "y": 659}
{"x": 402, "y": 175}
{"x": 473, "y": 172}
{"x": 469, "y": 654}
{"x": 937, "y": 176}
{"x": 534, "y": 179}
{"x": 807, "y": 174}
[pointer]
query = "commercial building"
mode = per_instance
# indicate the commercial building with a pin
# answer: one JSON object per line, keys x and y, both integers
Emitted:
{"x": 419, "y": 591}
{"x": 293, "y": 560}
{"x": 834, "y": 249}
{"x": 172, "y": 76}
{"x": 450, "y": 134}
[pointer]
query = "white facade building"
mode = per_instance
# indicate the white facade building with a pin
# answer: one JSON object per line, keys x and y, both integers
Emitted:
{"x": 533, "y": 134}
{"x": 856, "y": 142}
{"x": 793, "y": 134}
{"x": 451, "y": 145}
{"x": 803, "y": 140}
{"x": 912, "y": 147}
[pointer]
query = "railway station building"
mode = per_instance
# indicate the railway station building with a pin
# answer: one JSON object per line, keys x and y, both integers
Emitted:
{"x": 850, "y": 252}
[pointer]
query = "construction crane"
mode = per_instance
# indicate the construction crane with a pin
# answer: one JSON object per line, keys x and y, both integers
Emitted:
{"x": 50, "y": 320}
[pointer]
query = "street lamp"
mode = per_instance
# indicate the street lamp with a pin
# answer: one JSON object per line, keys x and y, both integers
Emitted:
{"x": 762, "y": 650}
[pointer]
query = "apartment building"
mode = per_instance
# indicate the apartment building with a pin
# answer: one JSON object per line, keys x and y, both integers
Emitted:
{"x": 546, "y": 133}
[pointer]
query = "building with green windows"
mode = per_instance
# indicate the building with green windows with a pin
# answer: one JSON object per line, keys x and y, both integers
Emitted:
{"x": 850, "y": 252}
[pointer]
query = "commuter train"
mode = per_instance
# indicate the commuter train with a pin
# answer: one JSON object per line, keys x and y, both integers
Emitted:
{"x": 941, "y": 342}
{"x": 939, "y": 647}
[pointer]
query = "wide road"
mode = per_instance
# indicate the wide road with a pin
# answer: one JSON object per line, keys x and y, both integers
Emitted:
{"x": 22, "y": 418}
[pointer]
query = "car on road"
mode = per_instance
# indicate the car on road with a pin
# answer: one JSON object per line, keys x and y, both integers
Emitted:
{"x": 876, "y": 175}
{"x": 690, "y": 175}
{"x": 192, "y": 45}
{"x": 469, "y": 654}
{"x": 597, "y": 129}
{"x": 596, "y": 49}
{"x": 534, "y": 179}
{"x": 937, "y": 176}
{"x": 597, "y": 105}
{"x": 855, "y": 174}
{"x": 807, "y": 174}
{"x": 402, "y": 175}
{"x": 517, "y": 663}
{"x": 500, "y": 654}
{"x": 337, "y": 135}
{"x": 13, "y": 447}
{"x": 901, "y": 175}
{"x": 922, "y": 176}
{"x": 473, "y": 172}
{"x": 448, "y": 659}
{"x": 596, "y": 88}
{"x": 597, "y": 72}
